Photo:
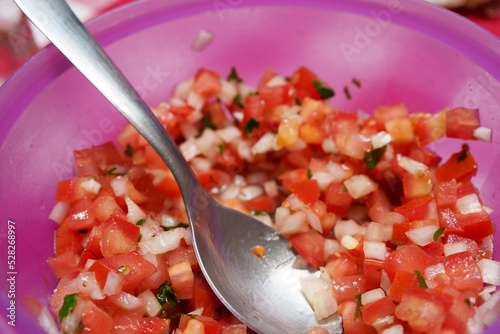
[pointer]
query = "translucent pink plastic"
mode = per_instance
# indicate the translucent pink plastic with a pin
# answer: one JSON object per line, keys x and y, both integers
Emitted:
{"x": 407, "y": 51}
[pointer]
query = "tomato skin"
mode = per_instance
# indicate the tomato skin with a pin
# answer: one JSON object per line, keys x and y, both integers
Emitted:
{"x": 336, "y": 199}
{"x": 476, "y": 225}
{"x": 399, "y": 229}
{"x": 463, "y": 272}
{"x": 461, "y": 166}
{"x": 310, "y": 245}
{"x": 138, "y": 268}
{"x": 408, "y": 258}
{"x": 118, "y": 237}
{"x": 306, "y": 191}
{"x": 378, "y": 309}
{"x": 347, "y": 287}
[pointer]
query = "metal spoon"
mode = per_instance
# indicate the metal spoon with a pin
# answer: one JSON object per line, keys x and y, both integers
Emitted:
{"x": 264, "y": 293}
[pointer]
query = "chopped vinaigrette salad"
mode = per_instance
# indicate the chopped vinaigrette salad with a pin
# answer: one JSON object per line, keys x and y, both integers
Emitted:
{"x": 403, "y": 242}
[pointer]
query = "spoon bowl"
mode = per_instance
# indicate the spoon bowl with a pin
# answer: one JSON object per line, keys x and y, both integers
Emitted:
{"x": 264, "y": 293}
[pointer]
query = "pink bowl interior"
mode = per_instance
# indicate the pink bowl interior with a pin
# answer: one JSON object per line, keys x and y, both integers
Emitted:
{"x": 409, "y": 52}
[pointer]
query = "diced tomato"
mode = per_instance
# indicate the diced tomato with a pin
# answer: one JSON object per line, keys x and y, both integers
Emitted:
{"x": 119, "y": 237}
{"x": 372, "y": 269}
{"x": 415, "y": 209}
{"x": 423, "y": 312}
{"x": 465, "y": 188}
{"x": 181, "y": 254}
{"x": 67, "y": 240}
{"x": 383, "y": 114}
{"x": 402, "y": 280}
{"x": 417, "y": 186}
{"x": 182, "y": 279}
{"x": 254, "y": 108}
{"x": 424, "y": 155}
{"x": 310, "y": 245}
{"x": 476, "y": 225}
{"x": 71, "y": 190}
{"x": 214, "y": 179}
{"x": 378, "y": 309}
{"x": 485, "y": 248}
{"x": 354, "y": 145}
{"x": 81, "y": 215}
{"x": 472, "y": 246}
{"x": 461, "y": 166}
{"x": 63, "y": 264}
{"x": 302, "y": 80}
{"x": 463, "y": 272}
{"x": 95, "y": 160}
{"x": 306, "y": 191}
{"x": 203, "y": 296}
{"x": 378, "y": 205}
{"x": 105, "y": 207}
{"x": 401, "y": 130}
{"x": 313, "y": 111}
{"x": 429, "y": 128}
{"x": 317, "y": 330}
{"x": 132, "y": 322}
{"x": 274, "y": 96}
{"x": 217, "y": 114}
{"x": 458, "y": 311}
{"x": 210, "y": 325}
{"x": 266, "y": 77}
{"x": 357, "y": 327}
{"x": 134, "y": 268}
{"x": 96, "y": 320}
{"x": 347, "y": 287}
{"x": 168, "y": 186}
{"x": 340, "y": 265}
{"x": 337, "y": 199}
{"x": 408, "y": 258}
{"x": 298, "y": 159}
{"x": 294, "y": 176}
{"x": 399, "y": 229}
{"x": 461, "y": 123}
{"x": 445, "y": 194}
{"x": 101, "y": 273}
{"x": 207, "y": 84}
{"x": 60, "y": 292}
{"x": 434, "y": 249}
{"x": 143, "y": 183}
{"x": 262, "y": 203}
{"x": 342, "y": 122}
{"x": 92, "y": 250}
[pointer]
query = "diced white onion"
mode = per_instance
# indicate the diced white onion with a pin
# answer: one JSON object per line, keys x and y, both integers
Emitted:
{"x": 319, "y": 295}
{"x": 490, "y": 271}
{"x": 151, "y": 304}
{"x": 324, "y": 179}
{"x": 266, "y": 143}
{"x": 329, "y": 146}
{"x": 250, "y": 192}
{"x": 265, "y": 219}
{"x": 201, "y": 165}
{"x": 385, "y": 281}
{"x": 331, "y": 246}
{"x": 324, "y": 275}
{"x": 188, "y": 237}
{"x": 86, "y": 283}
{"x": 227, "y": 92}
{"x": 271, "y": 188}
{"x": 384, "y": 322}
{"x": 47, "y": 322}
{"x": 177, "y": 101}
{"x": 300, "y": 263}
{"x": 277, "y": 80}
{"x": 313, "y": 220}
{"x": 183, "y": 88}
{"x": 422, "y": 235}
{"x": 336, "y": 171}
{"x": 59, "y": 212}
{"x": 489, "y": 311}
{"x": 432, "y": 271}
{"x": 396, "y": 329}
{"x": 207, "y": 142}
{"x": 189, "y": 149}
{"x": 231, "y": 192}
{"x": 198, "y": 311}
{"x": 372, "y": 296}
{"x": 469, "y": 204}
{"x": 195, "y": 116}
{"x": 346, "y": 227}
{"x": 432, "y": 210}
{"x": 375, "y": 232}
{"x": 244, "y": 90}
{"x": 202, "y": 40}
{"x": 454, "y": 248}
{"x": 134, "y": 213}
{"x": 380, "y": 139}
{"x": 488, "y": 209}
{"x": 392, "y": 218}
{"x": 293, "y": 223}
{"x": 163, "y": 242}
{"x": 195, "y": 101}
{"x": 483, "y": 133}
{"x": 359, "y": 186}
{"x": 375, "y": 250}
{"x": 295, "y": 203}
{"x": 411, "y": 166}
{"x": 228, "y": 134}
{"x": 188, "y": 130}
{"x": 126, "y": 301}
{"x": 91, "y": 186}
{"x": 120, "y": 185}
{"x": 244, "y": 150}
{"x": 349, "y": 242}
{"x": 239, "y": 116}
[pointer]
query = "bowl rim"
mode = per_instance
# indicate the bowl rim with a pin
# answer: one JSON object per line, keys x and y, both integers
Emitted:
{"x": 475, "y": 42}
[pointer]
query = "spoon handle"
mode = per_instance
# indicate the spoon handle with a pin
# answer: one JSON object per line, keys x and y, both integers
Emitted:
{"x": 60, "y": 25}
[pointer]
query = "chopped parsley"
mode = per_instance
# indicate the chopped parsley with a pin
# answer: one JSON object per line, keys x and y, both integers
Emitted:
{"x": 121, "y": 269}
{"x": 297, "y": 101}
{"x": 252, "y": 124}
{"x": 357, "y": 314}
{"x": 344, "y": 189}
{"x": 420, "y": 279}
{"x": 438, "y": 233}
{"x": 356, "y": 82}
{"x": 347, "y": 93}
{"x": 206, "y": 123}
{"x": 221, "y": 148}
{"x": 166, "y": 295}
{"x": 258, "y": 213}
{"x": 108, "y": 172}
{"x": 67, "y": 307}
{"x": 397, "y": 243}
{"x": 309, "y": 174}
{"x": 84, "y": 231}
{"x": 233, "y": 75}
{"x": 168, "y": 228}
{"x": 140, "y": 222}
{"x": 323, "y": 91}
{"x": 373, "y": 157}
{"x": 237, "y": 100}
{"x": 467, "y": 301}
{"x": 254, "y": 93}
{"x": 140, "y": 238}
{"x": 462, "y": 156}
{"x": 129, "y": 151}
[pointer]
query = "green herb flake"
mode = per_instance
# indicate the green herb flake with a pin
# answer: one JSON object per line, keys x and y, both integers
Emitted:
{"x": 237, "y": 100}
{"x": 233, "y": 75}
{"x": 252, "y": 124}
{"x": 357, "y": 314}
{"x": 323, "y": 91}
{"x": 168, "y": 228}
{"x": 344, "y": 189}
{"x": 462, "y": 156}
{"x": 397, "y": 243}
{"x": 373, "y": 157}
{"x": 420, "y": 279}
{"x": 347, "y": 93}
{"x": 438, "y": 233}
{"x": 467, "y": 301}
{"x": 91, "y": 252}
{"x": 206, "y": 123}
{"x": 129, "y": 151}
{"x": 356, "y": 82}
{"x": 140, "y": 238}
{"x": 166, "y": 295}
{"x": 84, "y": 284}
{"x": 140, "y": 222}
{"x": 253, "y": 93}
{"x": 84, "y": 231}
{"x": 309, "y": 174}
{"x": 108, "y": 172}
{"x": 297, "y": 101}
{"x": 258, "y": 213}
{"x": 221, "y": 148}
{"x": 68, "y": 306}
{"x": 121, "y": 269}
{"x": 80, "y": 328}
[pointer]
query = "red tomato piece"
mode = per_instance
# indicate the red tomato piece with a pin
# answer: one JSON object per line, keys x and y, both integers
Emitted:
{"x": 119, "y": 237}
{"x": 408, "y": 258}
{"x": 417, "y": 186}
{"x": 96, "y": 320}
{"x": 262, "y": 203}
{"x": 298, "y": 159}
{"x": 415, "y": 209}
{"x": 340, "y": 265}
{"x": 423, "y": 312}
{"x": 378, "y": 309}
{"x": 80, "y": 216}
{"x": 461, "y": 166}
{"x": 254, "y": 108}
{"x": 168, "y": 186}
{"x": 402, "y": 280}
{"x": 135, "y": 268}
{"x": 105, "y": 207}
{"x": 378, "y": 205}
{"x": 337, "y": 199}
{"x": 92, "y": 250}
{"x": 399, "y": 229}
{"x": 63, "y": 264}
{"x": 71, "y": 190}
{"x": 306, "y": 191}
{"x": 372, "y": 269}
{"x": 181, "y": 254}
{"x": 476, "y": 225}
{"x": 182, "y": 279}
{"x": 67, "y": 240}
{"x": 463, "y": 272}
{"x": 383, "y": 114}
{"x": 207, "y": 84}
{"x": 98, "y": 159}
{"x": 310, "y": 245}
{"x": 274, "y": 96}
{"x": 132, "y": 322}
{"x": 293, "y": 176}
{"x": 461, "y": 123}
{"x": 203, "y": 296}
{"x": 347, "y": 287}
{"x": 429, "y": 128}
{"x": 302, "y": 80}
{"x": 445, "y": 194}
{"x": 214, "y": 179}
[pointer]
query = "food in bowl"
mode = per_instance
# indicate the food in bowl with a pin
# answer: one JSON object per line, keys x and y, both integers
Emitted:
{"x": 402, "y": 241}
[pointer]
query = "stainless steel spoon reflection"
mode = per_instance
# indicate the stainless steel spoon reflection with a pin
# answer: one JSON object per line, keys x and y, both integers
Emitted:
{"x": 264, "y": 293}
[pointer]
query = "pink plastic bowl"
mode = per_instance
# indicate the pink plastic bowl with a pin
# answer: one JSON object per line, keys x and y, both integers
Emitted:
{"x": 401, "y": 51}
